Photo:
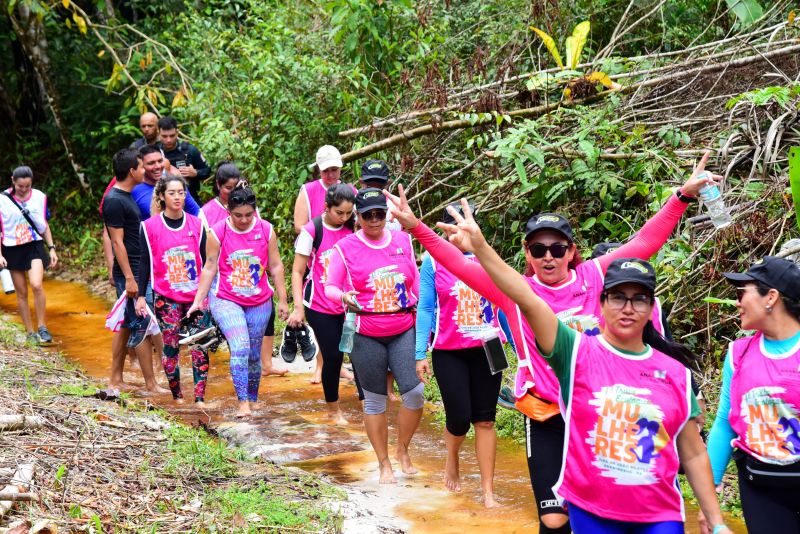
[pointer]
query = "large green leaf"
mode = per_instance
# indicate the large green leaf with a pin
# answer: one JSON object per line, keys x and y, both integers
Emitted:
{"x": 794, "y": 180}
{"x": 746, "y": 11}
{"x": 576, "y": 42}
{"x": 550, "y": 44}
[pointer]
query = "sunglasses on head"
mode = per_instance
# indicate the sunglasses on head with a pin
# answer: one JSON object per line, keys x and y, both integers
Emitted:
{"x": 557, "y": 250}
{"x": 241, "y": 201}
{"x": 374, "y": 215}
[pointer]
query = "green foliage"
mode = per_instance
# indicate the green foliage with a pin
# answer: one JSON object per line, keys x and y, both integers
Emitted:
{"x": 781, "y": 95}
{"x": 267, "y": 507}
{"x": 794, "y": 180}
{"x": 196, "y": 450}
{"x": 747, "y": 11}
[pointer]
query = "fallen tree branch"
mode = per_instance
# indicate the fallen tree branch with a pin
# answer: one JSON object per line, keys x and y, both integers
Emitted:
{"x": 20, "y": 422}
{"x": 18, "y": 497}
{"x": 22, "y": 478}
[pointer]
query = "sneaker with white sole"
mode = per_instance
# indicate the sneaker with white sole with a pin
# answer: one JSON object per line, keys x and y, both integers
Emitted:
{"x": 138, "y": 331}
{"x": 305, "y": 340}
{"x": 289, "y": 345}
{"x": 44, "y": 335}
{"x": 196, "y": 328}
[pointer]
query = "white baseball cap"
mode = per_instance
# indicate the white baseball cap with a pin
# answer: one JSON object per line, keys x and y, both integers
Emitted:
{"x": 328, "y": 156}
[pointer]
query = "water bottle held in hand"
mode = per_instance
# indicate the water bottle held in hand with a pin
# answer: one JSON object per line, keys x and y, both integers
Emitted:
{"x": 346, "y": 342}
{"x": 712, "y": 198}
{"x": 8, "y": 284}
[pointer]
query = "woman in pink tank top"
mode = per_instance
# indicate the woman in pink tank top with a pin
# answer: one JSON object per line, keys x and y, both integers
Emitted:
{"x": 172, "y": 246}
{"x": 759, "y": 406}
{"x": 571, "y": 288}
{"x": 625, "y": 394}
{"x": 225, "y": 180}
{"x": 374, "y": 273}
{"x": 452, "y": 321}
{"x": 241, "y": 250}
{"x": 313, "y": 254}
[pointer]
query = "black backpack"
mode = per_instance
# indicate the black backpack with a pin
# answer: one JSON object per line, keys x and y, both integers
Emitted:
{"x": 318, "y": 229}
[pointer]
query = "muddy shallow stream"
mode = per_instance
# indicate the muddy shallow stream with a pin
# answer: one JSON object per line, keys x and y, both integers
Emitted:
{"x": 290, "y": 428}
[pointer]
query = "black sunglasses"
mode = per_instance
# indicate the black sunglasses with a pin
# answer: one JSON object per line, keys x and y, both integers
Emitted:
{"x": 557, "y": 250}
{"x": 241, "y": 201}
{"x": 374, "y": 215}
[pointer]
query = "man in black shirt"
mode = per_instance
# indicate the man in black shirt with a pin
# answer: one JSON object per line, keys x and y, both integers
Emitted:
{"x": 121, "y": 218}
{"x": 183, "y": 155}
{"x": 148, "y": 124}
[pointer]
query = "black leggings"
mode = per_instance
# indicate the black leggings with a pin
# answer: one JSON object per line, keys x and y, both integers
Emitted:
{"x": 544, "y": 445}
{"x": 328, "y": 332}
{"x": 469, "y": 389}
{"x": 768, "y": 509}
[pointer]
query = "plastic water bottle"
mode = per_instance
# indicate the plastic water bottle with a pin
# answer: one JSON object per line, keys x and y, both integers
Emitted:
{"x": 712, "y": 198}
{"x": 8, "y": 284}
{"x": 346, "y": 342}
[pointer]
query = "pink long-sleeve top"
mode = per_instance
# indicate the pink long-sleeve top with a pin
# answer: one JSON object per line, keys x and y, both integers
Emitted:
{"x": 576, "y": 301}
{"x": 385, "y": 275}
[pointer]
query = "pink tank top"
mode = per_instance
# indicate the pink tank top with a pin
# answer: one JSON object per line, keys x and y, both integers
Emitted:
{"x": 765, "y": 401}
{"x": 319, "y": 261}
{"x": 624, "y": 415}
{"x": 243, "y": 262}
{"x": 386, "y": 278}
{"x": 175, "y": 257}
{"x": 462, "y": 315}
{"x": 576, "y": 302}
{"x": 214, "y": 212}
{"x": 314, "y": 193}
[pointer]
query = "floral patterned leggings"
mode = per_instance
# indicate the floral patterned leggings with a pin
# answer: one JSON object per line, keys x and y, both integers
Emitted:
{"x": 169, "y": 314}
{"x": 243, "y": 327}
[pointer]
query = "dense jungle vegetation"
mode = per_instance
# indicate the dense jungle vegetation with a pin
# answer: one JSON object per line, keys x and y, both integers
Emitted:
{"x": 462, "y": 98}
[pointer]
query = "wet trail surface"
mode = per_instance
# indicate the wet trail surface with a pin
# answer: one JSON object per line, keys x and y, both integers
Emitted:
{"x": 290, "y": 427}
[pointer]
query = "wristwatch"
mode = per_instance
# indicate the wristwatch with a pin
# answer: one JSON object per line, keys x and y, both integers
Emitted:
{"x": 684, "y": 198}
{"x": 51, "y": 247}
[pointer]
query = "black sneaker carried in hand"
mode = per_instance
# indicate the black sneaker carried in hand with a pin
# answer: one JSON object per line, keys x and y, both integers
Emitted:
{"x": 138, "y": 331}
{"x": 196, "y": 328}
{"x": 289, "y": 345}
{"x": 306, "y": 342}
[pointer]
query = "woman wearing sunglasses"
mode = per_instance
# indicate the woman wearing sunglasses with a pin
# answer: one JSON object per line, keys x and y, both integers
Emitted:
{"x": 374, "y": 273}
{"x": 239, "y": 252}
{"x": 759, "y": 404}
{"x": 572, "y": 289}
{"x": 626, "y": 393}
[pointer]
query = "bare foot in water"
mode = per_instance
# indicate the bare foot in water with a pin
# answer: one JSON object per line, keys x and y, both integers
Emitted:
{"x": 316, "y": 378}
{"x": 122, "y": 386}
{"x": 244, "y": 410}
{"x": 490, "y": 502}
{"x": 274, "y": 372}
{"x": 387, "y": 475}
{"x": 347, "y": 375}
{"x": 405, "y": 462}
{"x": 156, "y": 389}
{"x": 452, "y": 480}
{"x": 180, "y": 401}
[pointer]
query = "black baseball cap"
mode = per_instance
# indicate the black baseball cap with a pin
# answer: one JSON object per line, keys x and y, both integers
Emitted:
{"x": 630, "y": 271}
{"x": 370, "y": 198}
{"x": 601, "y": 249}
{"x": 375, "y": 169}
{"x": 449, "y": 219}
{"x": 777, "y": 273}
{"x": 549, "y": 221}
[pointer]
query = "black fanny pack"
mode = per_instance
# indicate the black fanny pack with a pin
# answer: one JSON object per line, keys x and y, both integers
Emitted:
{"x": 768, "y": 475}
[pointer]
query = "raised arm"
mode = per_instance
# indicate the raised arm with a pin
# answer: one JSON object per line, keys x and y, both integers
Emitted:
{"x": 659, "y": 227}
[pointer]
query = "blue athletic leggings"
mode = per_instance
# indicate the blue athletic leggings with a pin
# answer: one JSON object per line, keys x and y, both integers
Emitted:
{"x": 243, "y": 327}
{"x": 584, "y": 522}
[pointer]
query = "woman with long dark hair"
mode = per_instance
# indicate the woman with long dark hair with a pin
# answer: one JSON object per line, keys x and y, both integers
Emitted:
{"x": 571, "y": 287}
{"x": 625, "y": 393}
